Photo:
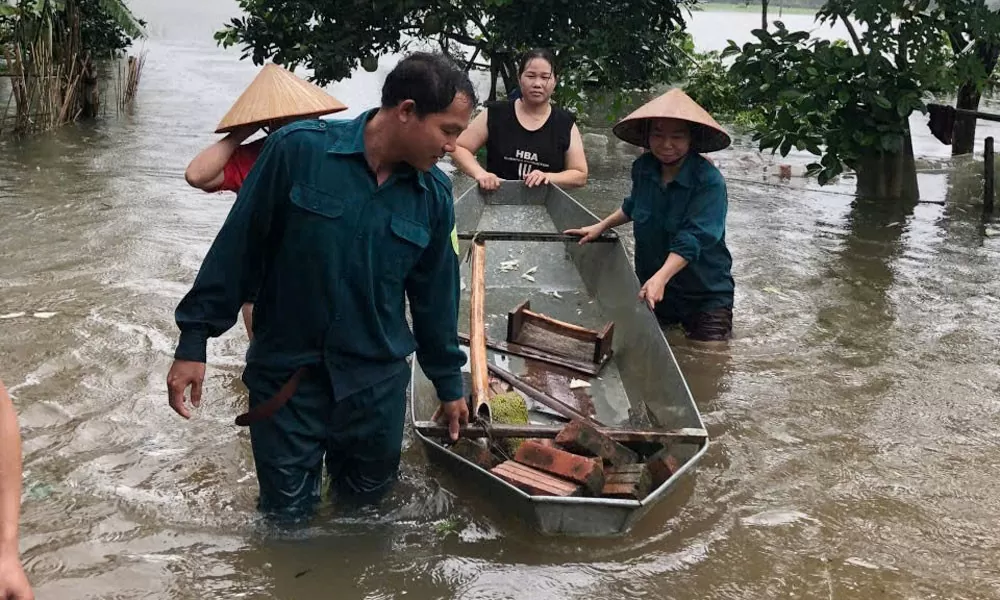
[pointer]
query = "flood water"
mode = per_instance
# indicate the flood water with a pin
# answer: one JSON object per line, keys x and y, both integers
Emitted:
{"x": 854, "y": 418}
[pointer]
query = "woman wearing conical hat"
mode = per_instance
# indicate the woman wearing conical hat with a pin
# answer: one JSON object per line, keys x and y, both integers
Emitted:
{"x": 678, "y": 207}
{"x": 276, "y": 97}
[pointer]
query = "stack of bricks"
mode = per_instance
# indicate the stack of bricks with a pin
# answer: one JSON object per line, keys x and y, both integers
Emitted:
{"x": 580, "y": 461}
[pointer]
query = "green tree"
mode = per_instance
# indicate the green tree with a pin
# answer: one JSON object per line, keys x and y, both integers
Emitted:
{"x": 973, "y": 30}
{"x": 848, "y": 103}
{"x": 619, "y": 45}
{"x": 106, "y": 27}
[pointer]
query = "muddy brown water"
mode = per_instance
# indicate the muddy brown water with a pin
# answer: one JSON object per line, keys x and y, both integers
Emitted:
{"x": 854, "y": 418}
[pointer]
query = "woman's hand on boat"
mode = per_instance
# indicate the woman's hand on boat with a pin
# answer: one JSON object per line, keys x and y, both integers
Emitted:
{"x": 455, "y": 413}
{"x": 185, "y": 373}
{"x": 488, "y": 182}
{"x": 536, "y": 178}
{"x": 652, "y": 291}
{"x": 588, "y": 233}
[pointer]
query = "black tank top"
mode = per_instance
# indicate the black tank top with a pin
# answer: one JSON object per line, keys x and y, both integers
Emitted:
{"x": 512, "y": 151}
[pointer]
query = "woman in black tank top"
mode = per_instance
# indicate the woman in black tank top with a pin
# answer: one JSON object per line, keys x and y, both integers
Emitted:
{"x": 527, "y": 138}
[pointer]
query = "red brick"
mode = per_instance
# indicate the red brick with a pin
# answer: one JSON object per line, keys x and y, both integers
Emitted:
{"x": 662, "y": 466}
{"x": 581, "y": 438}
{"x": 535, "y": 482}
{"x": 631, "y": 482}
{"x": 581, "y": 469}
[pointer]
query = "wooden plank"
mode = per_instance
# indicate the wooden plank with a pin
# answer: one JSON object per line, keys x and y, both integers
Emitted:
{"x": 988, "y": 176}
{"x": 583, "y": 367}
{"x": 535, "y": 482}
{"x": 556, "y": 326}
{"x": 477, "y": 331}
{"x": 539, "y": 396}
{"x": 528, "y": 328}
{"x": 531, "y": 236}
{"x": 532, "y": 335}
{"x": 515, "y": 320}
{"x": 588, "y": 472}
{"x": 624, "y": 436}
{"x": 605, "y": 337}
{"x": 977, "y": 114}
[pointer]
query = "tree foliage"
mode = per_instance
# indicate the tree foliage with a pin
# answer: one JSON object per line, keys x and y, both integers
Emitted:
{"x": 619, "y": 45}
{"x": 709, "y": 84}
{"x": 106, "y": 27}
{"x": 840, "y": 101}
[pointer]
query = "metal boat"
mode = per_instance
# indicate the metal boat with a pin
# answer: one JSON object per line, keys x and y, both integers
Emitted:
{"x": 589, "y": 285}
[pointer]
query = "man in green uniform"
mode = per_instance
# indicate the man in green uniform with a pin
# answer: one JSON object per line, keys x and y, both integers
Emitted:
{"x": 338, "y": 223}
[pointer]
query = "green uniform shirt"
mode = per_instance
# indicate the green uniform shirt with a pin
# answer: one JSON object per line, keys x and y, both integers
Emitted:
{"x": 686, "y": 216}
{"x": 332, "y": 257}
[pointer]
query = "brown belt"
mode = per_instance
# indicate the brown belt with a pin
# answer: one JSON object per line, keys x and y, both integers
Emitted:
{"x": 265, "y": 409}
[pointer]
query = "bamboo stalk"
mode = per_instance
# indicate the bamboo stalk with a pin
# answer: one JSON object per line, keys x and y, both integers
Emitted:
{"x": 477, "y": 332}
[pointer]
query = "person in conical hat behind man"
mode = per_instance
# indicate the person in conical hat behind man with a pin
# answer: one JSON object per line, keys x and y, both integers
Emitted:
{"x": 678, "y": 207}
{"x": 275, "y": 98}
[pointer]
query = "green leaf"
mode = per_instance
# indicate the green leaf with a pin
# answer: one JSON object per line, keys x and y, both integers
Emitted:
{"x": 882, "y": 101}
{"x": 123, "y": 17}
{"x": 790, "y": 95}
{"x": 786, "y": 147}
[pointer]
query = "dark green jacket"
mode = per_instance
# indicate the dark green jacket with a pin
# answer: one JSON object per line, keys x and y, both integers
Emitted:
{"x": 333, "y": 258}
{"x": 686, "y": 216}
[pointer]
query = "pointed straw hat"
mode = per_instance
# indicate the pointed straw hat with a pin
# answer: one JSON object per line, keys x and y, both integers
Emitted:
{"x": 277, "y": 93}
{"x": 706, "y": 134}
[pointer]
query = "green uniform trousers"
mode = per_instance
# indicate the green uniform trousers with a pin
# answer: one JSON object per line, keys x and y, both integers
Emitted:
{"x": 360, "y": 435}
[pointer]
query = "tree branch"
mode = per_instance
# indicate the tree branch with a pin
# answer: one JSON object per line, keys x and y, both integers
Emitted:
{"x": 472, "y": 60}
{"x": 854, "y": 34}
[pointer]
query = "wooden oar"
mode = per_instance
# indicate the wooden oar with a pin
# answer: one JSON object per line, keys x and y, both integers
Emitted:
{"x": 677, "y": 436}
{"x": 477, "y": 335}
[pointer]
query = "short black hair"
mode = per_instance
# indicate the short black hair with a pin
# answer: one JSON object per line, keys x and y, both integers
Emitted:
{"x": 431, "y": 80}
{"x": 541, "y": 53}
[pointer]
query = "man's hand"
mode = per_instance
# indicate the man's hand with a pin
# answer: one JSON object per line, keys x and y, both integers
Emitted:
{"x": 14, "y": 583}
{"x": 455, "y": 413}
{"x": 488, "y": 182}
{"x": 535, "y": 178}
{"x": 183, "y": 373}
{"x": 652, "y": 291}
{"x": 589, "y": 233}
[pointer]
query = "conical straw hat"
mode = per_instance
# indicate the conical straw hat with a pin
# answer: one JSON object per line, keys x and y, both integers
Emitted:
{"x": 277, "y": 93}
{"x": 706, "y": 134}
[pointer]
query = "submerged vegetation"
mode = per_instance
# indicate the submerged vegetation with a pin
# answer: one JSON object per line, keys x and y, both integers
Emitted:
{"x": 56, "y": 54}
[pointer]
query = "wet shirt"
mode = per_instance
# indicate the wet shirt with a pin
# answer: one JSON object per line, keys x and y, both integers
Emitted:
{"x": 686, "y": 216}
{"x": 236, "y": 169}
{"x": 334, "y": 257}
